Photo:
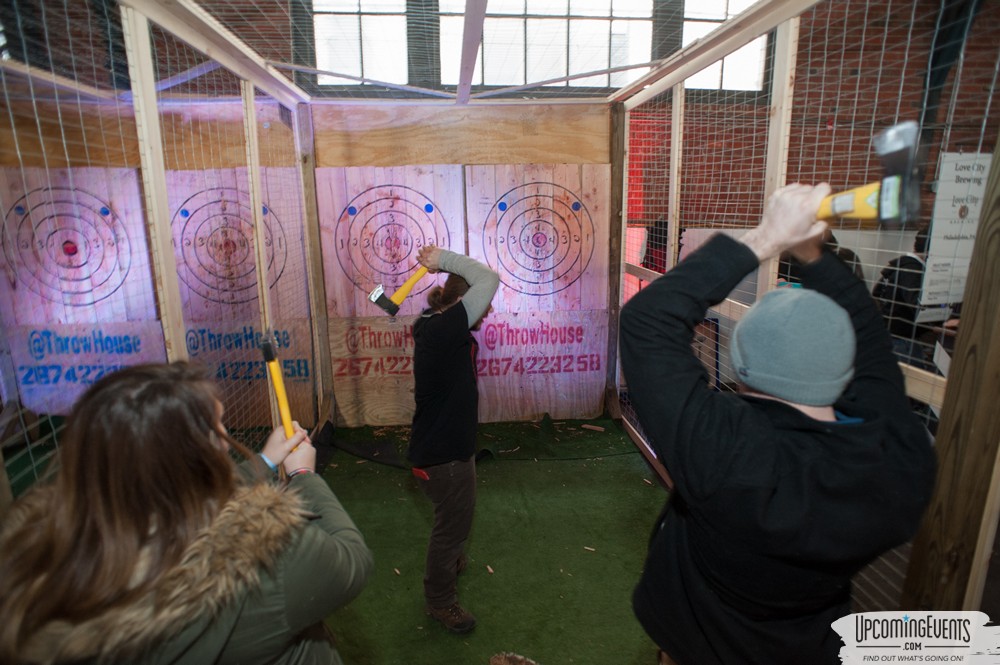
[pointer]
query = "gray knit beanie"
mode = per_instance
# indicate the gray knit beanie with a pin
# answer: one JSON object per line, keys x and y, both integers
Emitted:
{"x": 797, "y": 345}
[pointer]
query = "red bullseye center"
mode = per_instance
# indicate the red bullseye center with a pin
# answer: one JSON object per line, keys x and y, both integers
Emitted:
{"x": 70, "y": 248}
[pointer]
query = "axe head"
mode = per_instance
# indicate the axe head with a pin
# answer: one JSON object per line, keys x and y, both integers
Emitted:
{"x": 378, "y": 297}
{"x": 899, "y": 194}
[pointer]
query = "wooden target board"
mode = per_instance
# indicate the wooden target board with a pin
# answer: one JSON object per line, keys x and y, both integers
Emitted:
{"x": 213, "y": 240}
{"x": 543, "y": 350}
{"x": 77, "y": 296}
{"x": 372, "y": 223}
{"x": 544, "y": 230}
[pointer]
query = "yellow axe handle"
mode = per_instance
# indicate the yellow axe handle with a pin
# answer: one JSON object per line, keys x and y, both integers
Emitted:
{"x": 400, "y": 295}
{"x": 858, "y": 203}
{"x": 281, "y": 397}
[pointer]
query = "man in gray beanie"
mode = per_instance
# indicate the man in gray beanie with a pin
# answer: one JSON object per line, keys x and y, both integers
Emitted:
{"x": 797, "y": 345}
{"x": 783, "y": 491}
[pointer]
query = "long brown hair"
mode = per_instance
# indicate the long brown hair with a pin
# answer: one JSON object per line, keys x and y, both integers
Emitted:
{"x": 142, "y": 468}
{"x": 443, "y": 297}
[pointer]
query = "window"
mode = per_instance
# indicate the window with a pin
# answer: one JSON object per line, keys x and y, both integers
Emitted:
{"x": 419, "y": 43}
{"x": 361, "y": 38}
{"x": 741, "y": 70}
{"x": 526, "y": 41}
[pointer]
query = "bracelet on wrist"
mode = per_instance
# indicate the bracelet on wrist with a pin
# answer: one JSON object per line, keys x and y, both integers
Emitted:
{"x": 271, "y": 465}
{"x": 292, "y": 474}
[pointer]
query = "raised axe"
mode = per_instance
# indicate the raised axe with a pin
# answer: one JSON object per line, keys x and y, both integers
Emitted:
{"x": 391, "y": 303}
{"x": 895, "y": 199}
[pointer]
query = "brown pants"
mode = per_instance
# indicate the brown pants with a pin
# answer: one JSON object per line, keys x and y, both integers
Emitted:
{"x": 451, "y": 487}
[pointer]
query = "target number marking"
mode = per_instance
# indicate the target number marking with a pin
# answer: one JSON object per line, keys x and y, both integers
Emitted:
{"x": 213, "y": 238}
{"x": 539, "y": 238}
{"x": 69, "y": 245}
{"x": 379, "y": 232}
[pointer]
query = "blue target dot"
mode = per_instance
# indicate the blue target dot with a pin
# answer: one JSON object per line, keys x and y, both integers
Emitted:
{"x": 19, "y": 210}
{"x": 502, "y": 206}
{"x": 576, "y": 205}
{"x": 265, "y": 210}
{"x": 428, "y": 208}
{"x": 352, "y": 211}
{"x": 185, "y": 213}
{"x": 105, "y": 211}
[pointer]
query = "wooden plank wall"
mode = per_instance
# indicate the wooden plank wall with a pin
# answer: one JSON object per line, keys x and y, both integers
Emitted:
{"x": 76, "y": 297}
{"x": 357, "y": 146}
{"x": 213, "y": 246}
{"x": 484, "y": 172}
{"x": 86, "y": 153}
{"x": 49, "y": 135}
{"x": 392, "y": 135}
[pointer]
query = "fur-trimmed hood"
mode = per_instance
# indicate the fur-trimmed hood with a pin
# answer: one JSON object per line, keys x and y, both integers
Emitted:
{"x": 216, "y": 571}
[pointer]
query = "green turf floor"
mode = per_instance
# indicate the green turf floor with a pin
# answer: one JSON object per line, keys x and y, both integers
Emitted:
{"x": 562, "y": 520}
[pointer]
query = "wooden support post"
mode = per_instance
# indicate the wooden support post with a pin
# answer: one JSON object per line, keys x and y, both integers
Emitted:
{"x": 617, "y": 223}
{"x": 786, "y": 47}
{"x": 952, "y": 550}
{"x": 257, "y": 212}
{"x": 674, "y": 186}
{"x": 139, "y": 49}
{"x": 306, "y": 148}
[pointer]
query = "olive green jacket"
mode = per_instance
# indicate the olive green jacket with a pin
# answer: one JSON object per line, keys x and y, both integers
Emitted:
{"x": 253, "y": 588}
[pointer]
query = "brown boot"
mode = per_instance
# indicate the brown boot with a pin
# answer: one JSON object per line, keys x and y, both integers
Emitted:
{"x": 454, "y": 617}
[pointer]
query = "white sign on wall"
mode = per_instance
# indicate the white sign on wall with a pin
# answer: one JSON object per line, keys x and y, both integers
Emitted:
{"x": 955, "y": 219}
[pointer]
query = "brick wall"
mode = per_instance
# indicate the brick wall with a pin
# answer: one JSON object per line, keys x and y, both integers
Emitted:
{"x": 859, "y": 69}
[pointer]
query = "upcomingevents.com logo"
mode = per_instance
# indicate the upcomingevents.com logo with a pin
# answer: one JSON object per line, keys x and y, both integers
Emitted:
{"x": 918, "y": 637}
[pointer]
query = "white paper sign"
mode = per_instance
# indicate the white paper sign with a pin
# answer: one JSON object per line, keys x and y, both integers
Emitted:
{"x": 955, "y": 220}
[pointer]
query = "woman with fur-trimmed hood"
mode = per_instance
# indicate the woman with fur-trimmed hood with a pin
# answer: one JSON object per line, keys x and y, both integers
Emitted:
{"x": 151, "y": 546}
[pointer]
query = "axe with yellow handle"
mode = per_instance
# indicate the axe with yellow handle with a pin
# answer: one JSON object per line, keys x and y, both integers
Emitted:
{"x": 391, "y": 303}
{"x": 894, "y": 200}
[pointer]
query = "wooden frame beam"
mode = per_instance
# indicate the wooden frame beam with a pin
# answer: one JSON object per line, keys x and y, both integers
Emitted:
{"x": 571, "y": 77}
{"x": 786, "y": 46}
{"x": 139, "y": 48}
{"x": 647, "y": 452}
{"x": 187, "y": 75}
{"x": 197, "y": 28}
{"x": 361, "y": 79}
{"x": 306, "y": 149}
{"x": 923, "y": 386}
{"x": 616, "y": 251}
{"x": 472, "y": 37}
{"x": 252, "y": 142}
{"x": 676, "y": 162}
{"x": 54, "y": 80}
{"x": 738, "y": 31}
{"x": 951, "y": 552}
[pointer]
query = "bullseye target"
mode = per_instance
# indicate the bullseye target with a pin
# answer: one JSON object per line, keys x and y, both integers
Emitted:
{"x": 213, "y": 240}
{"x": 69, "y": 246}
{"x": 539, "y": 238}
{"x": 379, "y": 232}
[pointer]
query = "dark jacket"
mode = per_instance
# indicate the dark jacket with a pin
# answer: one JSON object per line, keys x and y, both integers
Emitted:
{"x": 253, "y": 588}
{"x": 444, "y": 373}
{"x": 897, "y": 293}
{"x": 772, "y": 512}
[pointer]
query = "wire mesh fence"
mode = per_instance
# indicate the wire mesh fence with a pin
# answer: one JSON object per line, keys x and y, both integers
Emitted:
{"x": 860, "y": 67}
